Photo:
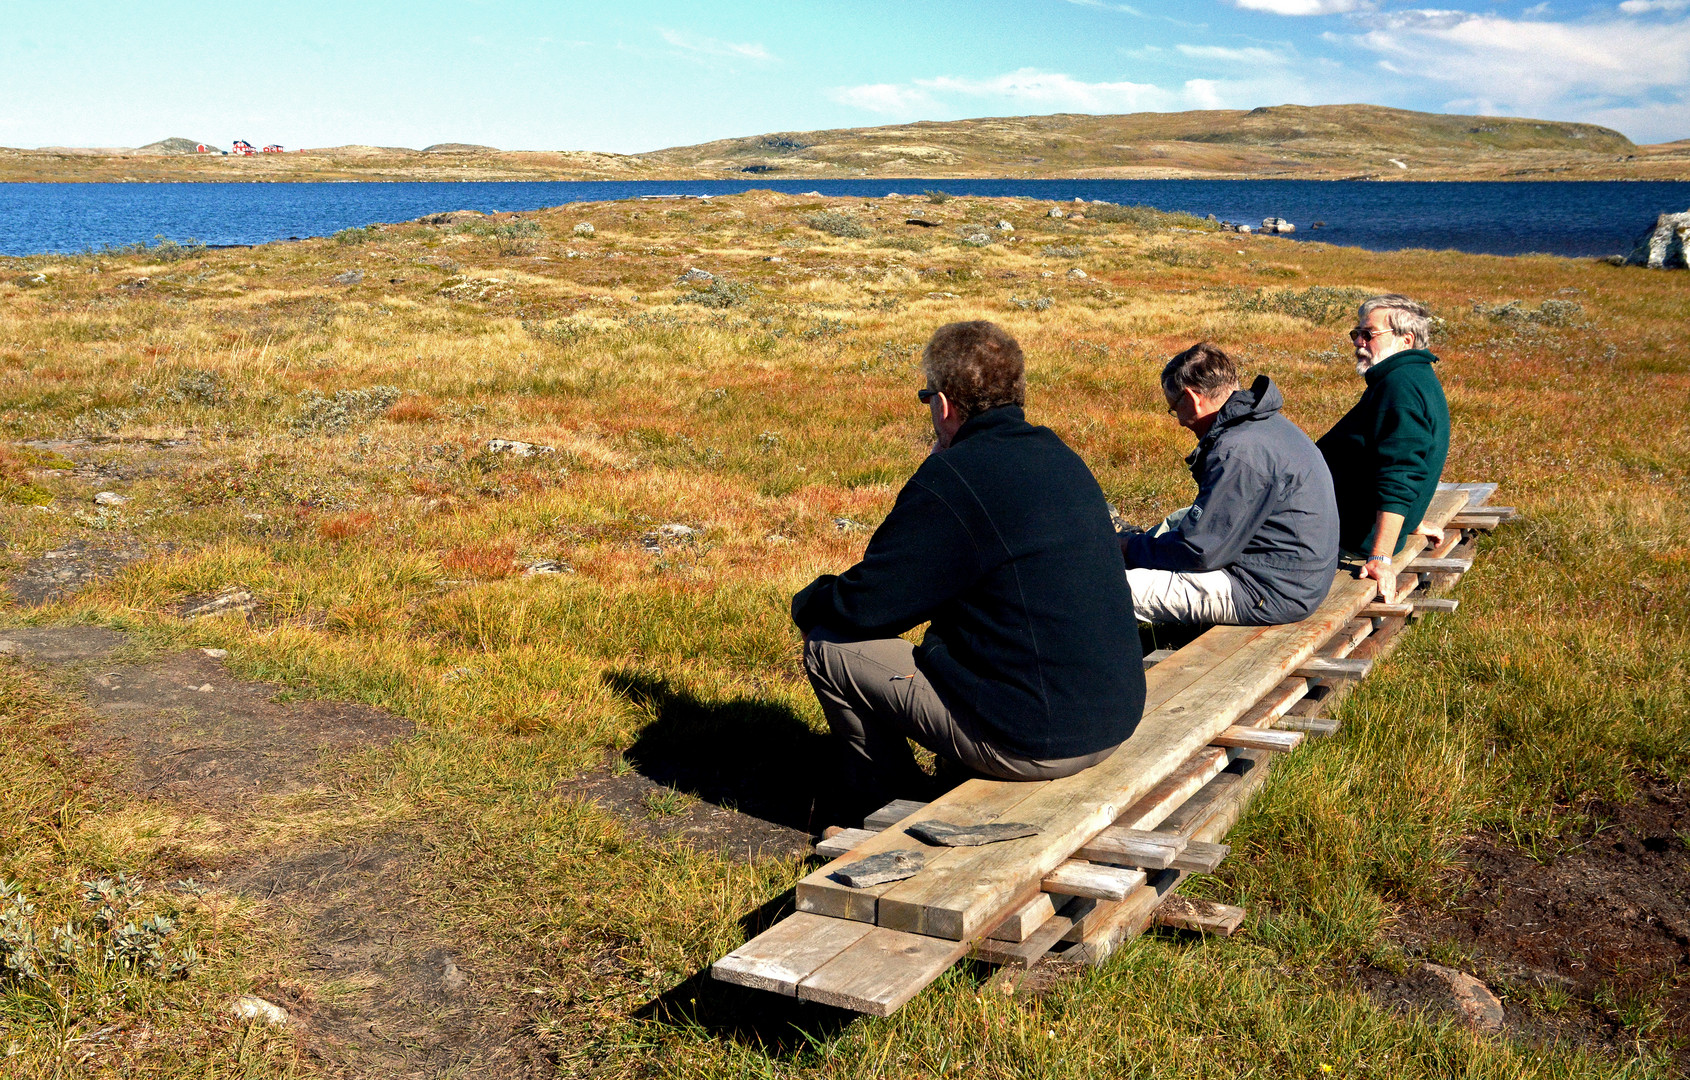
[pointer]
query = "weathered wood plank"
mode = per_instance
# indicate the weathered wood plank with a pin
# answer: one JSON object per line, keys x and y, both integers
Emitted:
{"x": 1477, "y": 494}
{"x": 1201, "y": 857}
{"x": 1156, "y": 656}
{"x": 1041, "y": 941}
{"x": 1025, "y": 919}
{"x": 1325, "y": 667}
{"x": 787, "y": 953}
{"x": 842, "y": 842}
{"x": 1243, "y": 738}
{"x": 1201, "y": 916}
{"x": 1310, "y": 725}
{"x": 1445, "y": 566}
{"x": 1098, "y": 881}
{"x": 1132, "y": 847}
{"x": 880, "y": 971}
{"x": 1175, "y": 788}
{"x": 1276, "y": 704}
{"x": 892, "y": 813}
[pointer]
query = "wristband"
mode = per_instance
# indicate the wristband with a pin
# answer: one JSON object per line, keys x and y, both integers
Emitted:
{"x": 1386, "y": 559}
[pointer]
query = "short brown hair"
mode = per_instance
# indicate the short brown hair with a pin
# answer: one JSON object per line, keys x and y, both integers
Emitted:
{"x": 977, "y": 365}
{"x": 1203, "y": 368}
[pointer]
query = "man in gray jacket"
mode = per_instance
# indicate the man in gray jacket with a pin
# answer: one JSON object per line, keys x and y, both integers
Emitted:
{"x": 1259, "y": 545}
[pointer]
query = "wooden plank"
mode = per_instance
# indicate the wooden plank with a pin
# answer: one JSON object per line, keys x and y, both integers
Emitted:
{"x": 1446, "y": 566}
{"x": 787, "y": 953}
{"x": 1310, "y": 725}
{"x": 1276, "y": 704}
{"x": 1120, "y": 846}
{"x": 1425, "y": 605}
{"x": 1379, "y": 611}
{"x": 1178, "y": 786}
{"x": 1045, "y": 938}
{"x": 1244, "y": 738}
{"x": 1201, "y": 857}
{"x": 892, "y": 813}
{"x": 1117, "y": 924}
{"x": 1477, "y": 494}
{"x": 1100, "y": 882}
{"x": 842, "y": 842}
{"x": 1024, "y": 920}
{"x": 1156, "y": 656}
{"x": 880, "y": 971}
{"x": 1199, "y": 916}
{"x": 1323, "y": 667}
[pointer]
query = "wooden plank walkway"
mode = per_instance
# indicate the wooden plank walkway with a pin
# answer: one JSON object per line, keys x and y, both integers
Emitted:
{"x": 1116, "y": 840}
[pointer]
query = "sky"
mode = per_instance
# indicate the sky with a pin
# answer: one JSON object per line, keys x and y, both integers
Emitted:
{"x": 645, "y": 74}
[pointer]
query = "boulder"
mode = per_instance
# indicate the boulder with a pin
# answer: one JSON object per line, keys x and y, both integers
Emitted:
{"x": 351, "y": 277}
{"x": 248, "y": 1007}
{"x": 1277, "y": 225}
{"x": 1056, "y": 212}
{"x": 695, "y": 274}
{"x": 1666, "y": 246}
{"x": 584, "y": 229}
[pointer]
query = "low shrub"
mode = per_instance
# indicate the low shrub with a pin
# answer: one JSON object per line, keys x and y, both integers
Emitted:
{"x": 1147, "y": 217}
{"x": 1548, "y": 313}
{"x": 321, "y": 414}
{"x": 836, "y": 224}
{"x": 16, "y": 487}
{"x": 720, "y": 293}
{"x": 488, "y": 561}
{"x": 1320, "y": 304}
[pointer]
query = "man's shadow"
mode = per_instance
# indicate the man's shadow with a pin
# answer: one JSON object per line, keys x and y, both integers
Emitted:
{"x": 747, "y": 755}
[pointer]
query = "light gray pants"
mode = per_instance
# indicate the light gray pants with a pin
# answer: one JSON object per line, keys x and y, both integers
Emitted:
{"x": 1170, "y": 596}
{"x": 875, "y": 698}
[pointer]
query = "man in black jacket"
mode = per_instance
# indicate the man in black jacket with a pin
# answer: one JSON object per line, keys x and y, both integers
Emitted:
{"x": 1260, "y": 544}
{"x": 1030, "y": 667}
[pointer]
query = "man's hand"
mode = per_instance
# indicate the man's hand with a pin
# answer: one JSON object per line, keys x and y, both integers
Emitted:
{"x": 1434, "y": 535}
{"x": 1380, "y": 570}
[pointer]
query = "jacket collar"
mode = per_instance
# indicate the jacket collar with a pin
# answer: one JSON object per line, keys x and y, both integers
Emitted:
{"x": 1398, "y": 360}
{"x": 991, "y": 419}
{"x": 1261, "y": 401}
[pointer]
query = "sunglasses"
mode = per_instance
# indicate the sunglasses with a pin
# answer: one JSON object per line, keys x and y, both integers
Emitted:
{"x": 924, "y": 395}
{"x": 1361, "y": 334}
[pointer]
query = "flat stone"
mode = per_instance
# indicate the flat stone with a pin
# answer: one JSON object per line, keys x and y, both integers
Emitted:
{"x": 879, "y": 869}
{"x": 248, "y": 1007}
{"x": 109, "y": 498}
{"x": 947, "y": 834}
{"x": 1473, "y": 999}
{"x": 216, "y": 654}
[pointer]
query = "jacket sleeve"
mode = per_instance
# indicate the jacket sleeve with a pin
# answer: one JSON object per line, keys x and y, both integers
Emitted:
{"x": 1233, "y": 500}
{"x": 919, "y": 558}
{"x": 1403, "y": 446}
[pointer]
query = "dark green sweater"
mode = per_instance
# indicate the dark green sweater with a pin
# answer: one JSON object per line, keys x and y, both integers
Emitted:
{"x": 1388, "y": 452}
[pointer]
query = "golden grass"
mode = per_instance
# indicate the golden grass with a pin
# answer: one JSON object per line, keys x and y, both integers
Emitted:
{"x": 333, "y": 461}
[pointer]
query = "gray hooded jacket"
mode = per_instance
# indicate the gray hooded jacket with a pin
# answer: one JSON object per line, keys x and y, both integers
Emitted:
{"x": 1264, "y": 513}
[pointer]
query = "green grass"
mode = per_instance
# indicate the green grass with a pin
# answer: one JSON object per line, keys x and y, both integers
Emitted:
{"x": 337, "y": 470}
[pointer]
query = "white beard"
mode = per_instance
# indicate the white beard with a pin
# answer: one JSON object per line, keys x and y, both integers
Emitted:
{"x": 1362, "y": 366}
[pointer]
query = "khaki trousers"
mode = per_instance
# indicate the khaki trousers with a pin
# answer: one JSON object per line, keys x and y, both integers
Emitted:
{"x": 1170, "y": 596}
{"x": 875, "y": 698}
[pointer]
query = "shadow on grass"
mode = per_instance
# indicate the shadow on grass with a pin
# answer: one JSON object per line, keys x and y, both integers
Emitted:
{"x": 747, "y": 755}
{"x": 776, "y": 1025}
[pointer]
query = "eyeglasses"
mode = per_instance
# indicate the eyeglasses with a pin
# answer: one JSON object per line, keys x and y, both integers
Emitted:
{"x": 1362, "y": 333}
{"x": 926, "y": 394}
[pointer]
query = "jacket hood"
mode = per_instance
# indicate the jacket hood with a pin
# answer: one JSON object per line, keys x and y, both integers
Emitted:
{"x": 1261, "y": 401}
{"x": 1398, "y": 360}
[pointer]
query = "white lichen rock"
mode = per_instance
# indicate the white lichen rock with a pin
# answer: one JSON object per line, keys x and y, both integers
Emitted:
{"x": 584, "y": 229}
{"x": 1666, "y": 246}
{"x": 248, "y": 1007}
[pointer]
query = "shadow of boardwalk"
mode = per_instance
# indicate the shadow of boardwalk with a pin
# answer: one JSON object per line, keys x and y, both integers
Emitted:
{"x": 746, "y": 755}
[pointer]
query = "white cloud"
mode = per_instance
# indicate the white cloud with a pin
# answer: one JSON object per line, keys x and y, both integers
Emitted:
{"x": 1221, "y": 53}
{"x": 1030, "y": 90}
{"x": 1549, "y": 69}
{"x": 1302, "y": 7}
{"x": 708, "y": 46}
{"x": 1643, "y": 7}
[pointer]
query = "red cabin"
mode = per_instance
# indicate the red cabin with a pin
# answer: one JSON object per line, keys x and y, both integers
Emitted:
{"x": 273, "y": 148}
{"x": 243, "y": 148}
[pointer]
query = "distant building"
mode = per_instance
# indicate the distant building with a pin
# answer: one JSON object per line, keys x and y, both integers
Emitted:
{"x": 202, "y": 149}
{"x": 273, "y": 148}
{"x": 243, "y": 148}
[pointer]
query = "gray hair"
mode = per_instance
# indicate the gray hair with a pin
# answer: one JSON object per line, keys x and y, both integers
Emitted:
{"x": 1406, "y": 316}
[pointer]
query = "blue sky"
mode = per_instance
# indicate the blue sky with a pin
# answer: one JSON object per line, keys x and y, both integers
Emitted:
{"x": 644, "y": 74}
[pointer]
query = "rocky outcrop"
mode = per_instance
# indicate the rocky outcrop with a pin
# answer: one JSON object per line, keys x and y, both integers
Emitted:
{"x": 1666, "y": 246}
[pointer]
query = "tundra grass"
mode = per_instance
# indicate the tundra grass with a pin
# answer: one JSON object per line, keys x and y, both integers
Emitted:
{"x": 314, "y": 422}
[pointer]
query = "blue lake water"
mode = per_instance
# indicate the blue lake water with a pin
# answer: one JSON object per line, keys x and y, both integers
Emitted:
{"x": 1573, "y": 218}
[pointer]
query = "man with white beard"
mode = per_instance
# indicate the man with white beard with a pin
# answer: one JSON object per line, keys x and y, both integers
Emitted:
{"x": 1387, "y": 453}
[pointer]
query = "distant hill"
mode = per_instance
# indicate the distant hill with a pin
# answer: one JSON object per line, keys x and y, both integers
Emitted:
{"x": 459, "y": 148}
{"x": 1269, "y": 139}
{"x": 174, "y": 146}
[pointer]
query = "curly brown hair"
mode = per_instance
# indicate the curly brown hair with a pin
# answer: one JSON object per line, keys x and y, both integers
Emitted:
{"x": 977, "y": 365}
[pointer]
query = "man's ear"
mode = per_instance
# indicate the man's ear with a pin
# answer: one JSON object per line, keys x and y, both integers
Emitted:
{"x": 1193, "y": 398}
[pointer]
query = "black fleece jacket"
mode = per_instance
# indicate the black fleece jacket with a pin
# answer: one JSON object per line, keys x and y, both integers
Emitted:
{"x": 1003, "y": 543}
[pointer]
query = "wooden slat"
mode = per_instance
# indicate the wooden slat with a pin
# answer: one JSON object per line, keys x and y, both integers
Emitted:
{"x": 1310, "y": 725}
{"x": 880, "y": 971}
{"x": 1163, "y": 799}
{"x": 1425, "y": 605}
{"x": 787, "y": 953}
{"x": 842, "y": 842}
{"x": 1276, "y": 704}
{"x": 1244, "y": 738}
{"x": 1430, "y": 565}
{"x": 1201, "y": 857}
{"x": 1027, "y": 953}
{"x": 1477, "y": 494}
{"x": 1323, "y": 667}
{"x": 892, "y": 813}
{"x": 1075, "y": 878}
{"x": 1026, "y": 919}
{"x": 1200, "y": 916}
{"x": 1132, "y": 847}
{"x": 1379, "y": 611}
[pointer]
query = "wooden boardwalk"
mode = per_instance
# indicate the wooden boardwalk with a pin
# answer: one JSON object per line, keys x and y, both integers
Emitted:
{"x": 1113, "y": 843}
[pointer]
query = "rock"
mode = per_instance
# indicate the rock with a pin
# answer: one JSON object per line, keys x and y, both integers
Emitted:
{"x": 1076, "y": 216}
{"x": 1056, "y": 212}
{"x": 453, "y": 979}
{"x": 248, "y": 1007}
{"x": 216, "y": 654}
{"x": 549, "y": 566}
{"x": 773, "y": 259}
{"x": 351, "y": 277}
{"x": 946, "y": 834}
{"x": 1615, "y": 260}
{"x": 1244, "y": 229}
{"x": 1666, "y": 246}
{"x": 1477, "y": 1005}
{"x": 676, "y": 531}
{"x": 879, "y": 869}
{"x": 516, "y": 448}
{"x": 1277, "y": 225}
{"x": 977, "y": 239}
{"x": 1077, "y": 273}
{"x": 109, "y": 498}
{"x": 8, "y": 647}
{"x": 695, "y": 274}
{"x": 584, "y": 229}
{"x": 205, "y": 688}
{"x": 235, "y": 599}
{"x": 844, "y": 524}
{"x": 1004, "y": 226}
{"x": 1078, "y": 199}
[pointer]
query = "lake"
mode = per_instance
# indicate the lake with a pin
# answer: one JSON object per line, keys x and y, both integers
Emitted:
{"x": 1572, "y": 218}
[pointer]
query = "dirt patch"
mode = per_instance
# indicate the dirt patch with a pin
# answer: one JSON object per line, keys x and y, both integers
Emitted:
{"x": 671, "y": 816}
{"x": 1592, "y": 942}
{"x": 191, "y": 733}
{"x": 61, "y": 644}
{"x": 379, "y": 994}
{"x": 74, "y": 566}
